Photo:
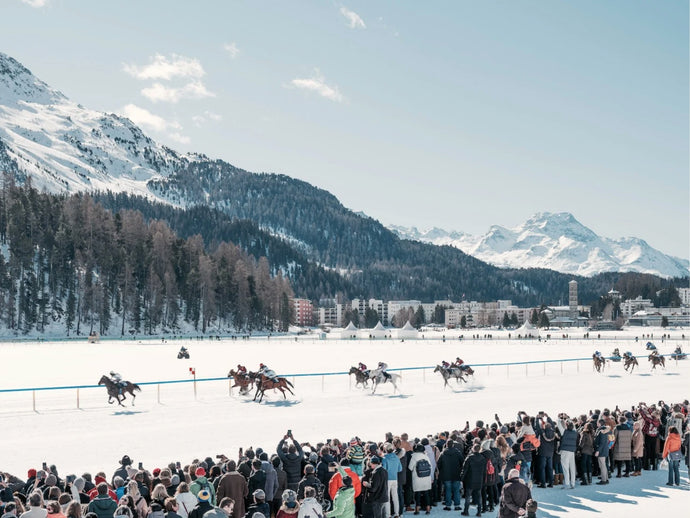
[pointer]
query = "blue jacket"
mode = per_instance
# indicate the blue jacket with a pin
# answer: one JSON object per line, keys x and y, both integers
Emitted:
{"x": 392, "y": 465}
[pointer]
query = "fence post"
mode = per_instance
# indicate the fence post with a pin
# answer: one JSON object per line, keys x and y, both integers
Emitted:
{"x": 526, "y": 365}
{"x": 33, "y": 392}
{"x": 578, "y": 366}
{"x": 158, "y": 390}
{"x": 507, "y": 371}
{"x": 323, "y": 379}
{"x": 544, "y": 364}
{"x": 77, "y": 399}
{"x": 561, "y": 367}
{"x": 423, "y": 375}
{"x": 230, "y": 387}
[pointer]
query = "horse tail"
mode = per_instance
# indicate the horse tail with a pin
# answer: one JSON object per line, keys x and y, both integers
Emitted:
{"x": 136, "y": 387}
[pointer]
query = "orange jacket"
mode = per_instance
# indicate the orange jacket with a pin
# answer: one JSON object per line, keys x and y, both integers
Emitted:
{"x": 672, "y": 443}
{"x": 337, "y": 481}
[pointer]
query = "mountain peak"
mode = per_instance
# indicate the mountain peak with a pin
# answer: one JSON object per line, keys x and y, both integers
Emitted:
{"x": 17, "y": 83}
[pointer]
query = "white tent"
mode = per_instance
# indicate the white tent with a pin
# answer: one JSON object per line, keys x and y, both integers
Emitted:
{"x": 527, "y": 330}
{"x": 378, "y": 331}
{"x": 346, "y": 332}
{"x": 407, "y": 331}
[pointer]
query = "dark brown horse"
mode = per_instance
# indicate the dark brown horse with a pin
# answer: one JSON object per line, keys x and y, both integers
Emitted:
{"x": 264, "y": 383}
{"x": 117, "y": 392}
{"x": 241, "y": 380}
{"x": 361, "y": 377}
{"x": 599, "y": 362}
{"x": 629, "y": 362}
{"x": 657, "y": 359}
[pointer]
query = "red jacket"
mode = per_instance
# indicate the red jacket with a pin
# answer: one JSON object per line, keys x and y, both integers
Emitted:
{"x": 336, "y": 482}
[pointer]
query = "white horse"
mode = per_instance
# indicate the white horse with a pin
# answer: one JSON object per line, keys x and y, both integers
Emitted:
{"x": 376, "y": 376}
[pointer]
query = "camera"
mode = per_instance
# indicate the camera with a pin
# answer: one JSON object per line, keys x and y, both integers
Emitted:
{"x": 141, "y": 465}
{"x": 289, "y": 433}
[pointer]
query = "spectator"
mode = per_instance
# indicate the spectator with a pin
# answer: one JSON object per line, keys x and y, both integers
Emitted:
{"x": 290, "y": 506}
{"x": 377, "y": 484}
{"x": 259, "y": 505}
{"x": 292, "y": 461}
{"x": 673, "y": 455}
{"x": 344, "y": 500}
{"x": 421, "y": 478}
{"x": 185, "y": 500}
{"x": 281, "y": 484}
{"x": 601, "y": 451}
{"x": 36, "y": 509}
{"x": 622, "y": 448}
{"x": 171, "y": 507}
{"x": 587, "y": 451}
{"x": 235, "y": 486}
{"x": 139, "y": 505}
{"x": 391, "y": 463}
{"x": 568, "y": 447}
{"x": 473, "y": 473}
{"x": 54, "y": 510}
{"x": 103, "y": 505}
{"x": 310, "y": 479}
{"x": 203, "y": 504}
{"x": 310, "y": 508}
{"x": 514, "y": 497}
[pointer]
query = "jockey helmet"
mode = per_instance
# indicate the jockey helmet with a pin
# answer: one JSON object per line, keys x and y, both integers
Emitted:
{"x": 261, "y": 366}
{"x": 112, "y": 373}
{"x": 239, "y": 366}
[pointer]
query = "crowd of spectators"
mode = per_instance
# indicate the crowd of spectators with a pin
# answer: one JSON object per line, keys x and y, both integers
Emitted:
{"x": 491, "y": 466}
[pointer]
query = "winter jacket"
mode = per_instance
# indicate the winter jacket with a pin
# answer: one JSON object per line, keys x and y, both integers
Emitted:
{"x": 185, "y": 503}
{"x": 257, "y": 480}
{"x": 200, "y": 509}
{"x": 601, "y": 441}
{"x": 343, "y": 504}
{"x": 514, "y": 461}
{"x": 622, "y": 449}
{"x": 547, "y": 438}
{"x": 637, "y": 440}
{"x": 514, "y": 496}
{"x": 322, "y": 468}
{"x": 450, "y": 464}
{"x": 355, "y": 454}
{"x": 271, "y": 480}
{"x": 418, "y": 483}
{"x": 568, "y": 440}
{"x": 587, "y": 443}
{"x": 234, "y": 485}
{"x": 310, "y": 508}
{"x": 103, "y": 506}
{"x": 391, "y": 463}
{"x": 259, "y": 507}
{"x": 336, "y": 482}
{"x": 292, "y": 462}
{"x": 377, "y": 492}
{"x": 308, "y": 481}
{"x": 473, "y": 471}
{"x": 671, "y": 444}
{"x": 282, "y": 485}
{"x": 651, "y": 422}
{"x": 203, "y": 483}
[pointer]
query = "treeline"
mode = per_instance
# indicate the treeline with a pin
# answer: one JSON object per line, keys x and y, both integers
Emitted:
{"x": 69, "y": 262}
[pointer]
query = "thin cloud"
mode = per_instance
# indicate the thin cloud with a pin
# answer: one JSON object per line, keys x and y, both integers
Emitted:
{"x": 231, "y": 48}
{"x": 317, "y": 84}
{"x": 161, "y": 93}
{"x": 164, "y": 68}
{"x": 143, "y": 117}
{"x": 354, "y": 20}
{"x": 200, "y": 120}
{"x": 35, "y": 3}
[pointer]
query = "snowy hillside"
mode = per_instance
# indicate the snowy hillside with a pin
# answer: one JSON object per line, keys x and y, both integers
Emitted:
{"x": 66, "y": 147}
{"x": 556, "y": 241}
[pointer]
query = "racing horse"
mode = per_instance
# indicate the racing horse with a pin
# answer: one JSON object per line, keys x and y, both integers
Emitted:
{"x": 361, "y": 377}
{"x": 377, "y": 377}
{"x": 453, "y": 372}
{"x": 657, "y": 359}
{"x": 630, "y": 362}
{"x": 264, "y": 383}
{"x": 599, "y": 362}
{"x": 183, "y": 355}
{"x": 241, "y": 380}
{"x": 117, "y": 392}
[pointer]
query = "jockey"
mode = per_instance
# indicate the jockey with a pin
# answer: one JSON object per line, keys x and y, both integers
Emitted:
{"x": 678, "y": 350}
{"x": 363, "y": 368}
{"x": 116, "y": 377}
{"x": 627, "y": 354}
{"x": 269, "y": 373}
{"x": 241, "y": 370}
{"x": 446, "y": 365}
{"x": 616, "y": 352}
{"x": 459, "y": 364}
{"x": 382, "y": 369}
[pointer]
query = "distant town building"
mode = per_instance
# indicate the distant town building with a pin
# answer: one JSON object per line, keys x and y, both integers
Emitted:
{"x": 304, "y": 312}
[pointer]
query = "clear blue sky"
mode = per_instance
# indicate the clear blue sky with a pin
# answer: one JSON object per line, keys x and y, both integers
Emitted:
{"x": 456, "y": 114}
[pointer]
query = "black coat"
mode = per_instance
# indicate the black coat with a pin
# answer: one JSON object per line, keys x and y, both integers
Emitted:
{"x": 378, "y": 490}
{"x": 473, "y": 471}
{"x": 292, "y": 462}
{"x": 450, "y": 465}
{"x": 257, "y": 480}
{"x": 322, "y": 468}
{"x": 308, "y": 480}
{"x": 199, "y": 509}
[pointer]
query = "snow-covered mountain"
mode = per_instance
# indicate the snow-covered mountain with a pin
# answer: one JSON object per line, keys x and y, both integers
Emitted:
{"x": 66, "y": 147}
{"x": 556, "y": 241}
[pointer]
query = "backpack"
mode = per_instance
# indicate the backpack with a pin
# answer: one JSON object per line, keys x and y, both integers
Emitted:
{"x": 423, "y": 468}
{"x": 611, "y": 439}
{"x": 490, "y": 476}
{"x": 530, "y": 443}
